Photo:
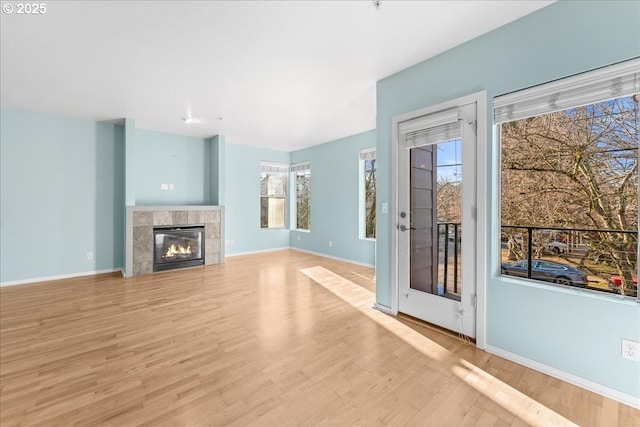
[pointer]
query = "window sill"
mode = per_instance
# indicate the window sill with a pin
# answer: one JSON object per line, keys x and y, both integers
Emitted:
{"x": 587, "y": 293}
{"x": 301, "y": 230}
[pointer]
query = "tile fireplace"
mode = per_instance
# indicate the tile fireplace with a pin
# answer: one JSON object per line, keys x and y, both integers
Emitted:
{"x": 160, "y": 238}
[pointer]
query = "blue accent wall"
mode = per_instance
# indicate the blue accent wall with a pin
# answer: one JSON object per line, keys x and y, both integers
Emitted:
{"x": 574, "y": 332}
{"x": 242, "y": 200}
{"x": 217, "y": 169}
{"x": 62, "y": 195}
{"x": 129, "y": 162}
{"x": 163, "y": 158}
{"x": 334, "y": 199}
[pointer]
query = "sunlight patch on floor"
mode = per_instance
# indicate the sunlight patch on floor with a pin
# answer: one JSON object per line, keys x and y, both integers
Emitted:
{"x": 519, "y": 404}
{"x": 373, "y": 279}
{"x": 363, "y": 300}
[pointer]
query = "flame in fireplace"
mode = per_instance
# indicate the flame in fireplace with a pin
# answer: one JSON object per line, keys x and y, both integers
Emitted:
{"x": 180, "y": 250}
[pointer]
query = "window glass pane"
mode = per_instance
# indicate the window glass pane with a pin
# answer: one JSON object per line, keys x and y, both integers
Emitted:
{"x": 276, "y": 212}
{"x": 370, "y": 198}
{"x": 272, "y": 212}
{"x": 264, "y": 212}
{"x": 569, "y": 184}
{"x": 272, "y": 199}
{"x": 277, "y": 185}
{"x": 303, "y": 199}
{"x": 263, "y": 184}
{"x": 448, "y": 159}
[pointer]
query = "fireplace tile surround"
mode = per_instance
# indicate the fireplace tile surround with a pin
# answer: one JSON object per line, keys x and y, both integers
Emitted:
{"x": 140, "y": 221}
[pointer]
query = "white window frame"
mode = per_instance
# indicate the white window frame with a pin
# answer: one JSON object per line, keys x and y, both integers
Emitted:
{"x": 599, "y": 85}
{"x": 271, "y": 167}
{"x": 365, "y": 154}
{"x": 295, "y": 168}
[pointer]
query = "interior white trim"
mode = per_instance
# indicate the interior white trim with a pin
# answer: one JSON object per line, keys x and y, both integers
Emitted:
{"x": 482, "y": 233}
{"x": 61, "y": 276}
{"x": 393, "y": 212}
{"x": 600, "y": 389}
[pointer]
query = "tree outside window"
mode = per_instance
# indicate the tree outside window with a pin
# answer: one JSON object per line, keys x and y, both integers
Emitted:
{"x": 370, "y": 198}
{"x": 303, "y": 199}
{"x": 576, "y": 172}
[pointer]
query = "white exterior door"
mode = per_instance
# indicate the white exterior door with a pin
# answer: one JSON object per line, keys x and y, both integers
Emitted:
{"x": 436, "y": 224}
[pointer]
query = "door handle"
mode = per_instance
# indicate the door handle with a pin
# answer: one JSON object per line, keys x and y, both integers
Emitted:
{"x": 403, "y": 228}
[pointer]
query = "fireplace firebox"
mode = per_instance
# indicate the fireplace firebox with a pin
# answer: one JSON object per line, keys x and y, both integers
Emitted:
{"x": 178, "y": 247}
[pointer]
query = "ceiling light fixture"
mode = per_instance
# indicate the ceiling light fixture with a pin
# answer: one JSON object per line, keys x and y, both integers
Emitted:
{"x": 189, "y": 120}
{"x": 376, "y": 3}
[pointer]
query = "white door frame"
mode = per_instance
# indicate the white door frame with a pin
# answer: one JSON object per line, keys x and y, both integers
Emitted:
{"x": 481, "y": 249}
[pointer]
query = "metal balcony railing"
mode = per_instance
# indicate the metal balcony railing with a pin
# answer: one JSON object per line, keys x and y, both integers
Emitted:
{"x": 608, "y": 258}
{"x": 449, "y": 238}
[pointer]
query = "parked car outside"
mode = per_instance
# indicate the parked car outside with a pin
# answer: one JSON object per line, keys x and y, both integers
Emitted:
{"x": 547, "y": 271}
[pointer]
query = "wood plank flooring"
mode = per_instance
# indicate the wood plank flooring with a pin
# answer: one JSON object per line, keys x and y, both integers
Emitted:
{"x": 275, "y": 339}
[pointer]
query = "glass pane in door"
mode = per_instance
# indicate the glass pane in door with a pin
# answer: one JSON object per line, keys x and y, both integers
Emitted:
{"x": 436, "y": 226}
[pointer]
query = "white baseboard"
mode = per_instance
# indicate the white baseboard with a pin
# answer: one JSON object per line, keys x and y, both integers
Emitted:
{"x": 62, "y": 276}
{"x": 350, "y": 261}
{"x": 384, "y": 309}
{"x": 605, "y": 391}
{"x": 228, "y": 255}
{"x": 121, "y": 270}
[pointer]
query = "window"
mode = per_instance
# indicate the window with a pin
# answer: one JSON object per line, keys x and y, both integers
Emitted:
{"x": 302, "y": 180}
{"x": 368, "y": 193}
{"x": 273, "y": 195}
{"x": 569, "y": 180}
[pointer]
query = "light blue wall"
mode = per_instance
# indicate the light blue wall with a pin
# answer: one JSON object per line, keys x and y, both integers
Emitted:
{"x": 576, "y": 333}
{"x": 62, "y": 195}
{"x": 129, "y": 162}
{"x": 242, "y": 200}
{"x": 217, "y": 169}
{"x": 334, "y": 199}
{"x": 163, "y": 158}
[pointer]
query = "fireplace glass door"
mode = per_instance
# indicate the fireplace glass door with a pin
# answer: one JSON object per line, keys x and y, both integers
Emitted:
{"x": 178, "y": 247}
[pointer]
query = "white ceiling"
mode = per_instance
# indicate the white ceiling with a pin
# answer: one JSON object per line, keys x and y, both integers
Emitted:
{"x": 280, "y": 74}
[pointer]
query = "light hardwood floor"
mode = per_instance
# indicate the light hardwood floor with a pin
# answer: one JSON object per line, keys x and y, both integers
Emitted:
{"x": 275, "y": 339}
